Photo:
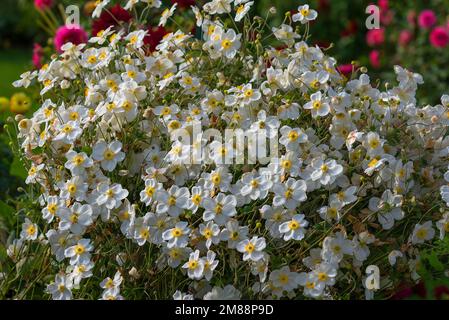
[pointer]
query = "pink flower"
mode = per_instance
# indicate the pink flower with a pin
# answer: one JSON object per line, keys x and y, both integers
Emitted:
{"x": 383, "y": 4}
{"x": 427, "y": 19}
{"x": 375, "y": 37}
{"x": 43, "y": 4}
{"x": 37, "y": 55}
{"x": 69, "y": 33}
{"x": 374, "y": 58}
{"x": 386, "y": 17}
{"x": 439, "y": 37}
{"x": 405, "y": 37}
{"x": 345, "y": 69}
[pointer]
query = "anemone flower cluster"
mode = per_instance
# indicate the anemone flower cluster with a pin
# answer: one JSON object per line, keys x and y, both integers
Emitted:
{"x": 353, "y": 182}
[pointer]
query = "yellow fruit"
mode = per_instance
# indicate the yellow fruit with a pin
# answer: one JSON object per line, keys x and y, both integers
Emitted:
{"x": 20, "y": 103}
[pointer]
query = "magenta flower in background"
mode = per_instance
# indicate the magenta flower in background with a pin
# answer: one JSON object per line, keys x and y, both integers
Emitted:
{"x": 383, "y": 4}
{"x": 43, "y": 4}
{"x": 375, "y": 37}
{"x": 374, "y": 59}
{"x": 38, "y": 54}
{"x": 405, "y": 37}
{"x": 345, "y": 69}
{"x": 69, "y": 33}
{"x": 427, "y": 19}
{"x": 386, "y": 17}
{"x": 439, "y": 37}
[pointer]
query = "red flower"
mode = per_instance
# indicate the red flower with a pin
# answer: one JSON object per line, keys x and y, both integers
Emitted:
{"x": 375, "y": 37}
{"x": 374, "y": 58}
{"x": 345, "y": 69}
{"x": 154, "y": 37}
{"x": 184, "y": 3}
{"x": 38, "y": 53}
{"x": 110, "y": 17}
{"x": 420, "y": 291}
{"x": 323, "y": 5}
{"x": 439, "y": 37}
{"x": 383, "y": 4}
{"x": 405, "y": 37}
{"x": 441, "y": 291}
{"x": 43, "y": 4}
{"x": 69, "y": 33}
{"x": 386, "y": 17}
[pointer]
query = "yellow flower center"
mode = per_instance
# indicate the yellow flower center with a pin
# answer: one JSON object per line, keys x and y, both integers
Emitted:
{"x": 207, "y": 233}
{"x": 171, "y": 201}
{"x": 286, "y": 164}
{"x": 196, "y": 199}
{"x": 254, "y": 183}
{"x": 102, "y": 55}
{"x": 71, "y": 188}
{"x": 67, "y": 128}
{"x": 332, "y": 212}
{"x": 31, "y": 230}
{"x": 108, "y": 154}
{"x": 133, "y": 40}
{"x": 109, "y": 284}
{"x": 305, "y": 12}
{"x": 216, "y": 179}
{"x": 131, "y": 74}
{"x": 249, "y": 247}
{"x": 322, "y": 276}
{"x": 110, "y": 193}
{"x": 177, "y": 232}
{"x": 422, "y": 233}
{"x": 226, "y": 44}
{"x": 316, "y": 105}
{"x": 310, "y": 285}
{"x": 248, "y": 93}
{"x": 289, "y": 193}
{"x": 293, "y": 225}
{"x": 166, "y": 111}
{"x": 32, "y": 171}
{"x": 78, "y": 160}
{"x": 74, "y": 218}
{"x": 219, "y": 208}
{"x": 283, "y": 279}
{"x": 193, "y": 264}
{"x": 79, "y": 249}
{"x": 92, "y": 59}
{"x": 144, "y": 233}
{"x": 374, "y": 143}
{"x": 52, "y": 208}
{"x": 315, "y": 84}
{"x": 149, "y": 191}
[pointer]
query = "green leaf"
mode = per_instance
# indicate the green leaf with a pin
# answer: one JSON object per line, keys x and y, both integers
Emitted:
{"x": 17, "y": 169}
{"x": 435, "y": 262}
{"x": 7, "y": 213}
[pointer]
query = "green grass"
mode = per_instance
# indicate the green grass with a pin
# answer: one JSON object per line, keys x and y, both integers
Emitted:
{"x": 13, "y": 62}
